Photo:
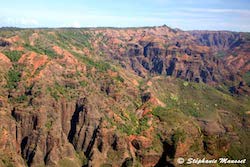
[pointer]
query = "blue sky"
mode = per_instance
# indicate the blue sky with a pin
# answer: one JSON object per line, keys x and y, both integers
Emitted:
{"x": 184, "y": 14}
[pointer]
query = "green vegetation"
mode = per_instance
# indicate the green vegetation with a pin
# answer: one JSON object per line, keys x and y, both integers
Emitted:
{"x": 51, "y": 53}
{"x": 83, "y": 83}
{"x": 115, "y": 155}
{"x": 34, "y": 48}
{"x": 132, "y": 124}
{"x": 13, "y": 77}
{"x": 66, "y": 162}
{"x": 246, "y": 77}
{"x": 53, "y": 93}
{"x": 220, "y": 54}
{"x": 179, "y": 136}
{"x": 48, "y": 124}
{"x": 119, "y": 78}
{"x": 81, "y": 156}
{"x": 101, "y": 66}
{"x": 106, "y": 165}
{"x": 143, "y": 125}
{"x": 160, "y": 112}
{"x": 14, "y": 56}
{"x": 46, "y": 51}
{"x": 202, "y": 101}
{"x": 240, "y": 150}
{"x": 7, "y": 32}
{"x": 39, "y": 69}
{"x": 21, "y": 98}
{"x": 6, "y": 161}
{"x": 185, "y": 83}
{"x": 195, "y": 146}
{"x": 75, "y": 37}
{"x": 195, "y": 99}
{"x": 58, "y": 90}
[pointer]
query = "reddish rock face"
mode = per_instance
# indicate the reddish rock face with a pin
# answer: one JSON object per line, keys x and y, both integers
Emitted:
{"x": 4, "y": 62}
{"x": 100, "y": 97}
{"x": 192, "y": 56}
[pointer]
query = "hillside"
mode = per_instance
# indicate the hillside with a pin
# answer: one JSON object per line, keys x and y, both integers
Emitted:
{"x": 122, "y": 97}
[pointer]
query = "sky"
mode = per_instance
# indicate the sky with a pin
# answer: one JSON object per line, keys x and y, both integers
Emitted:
{"x": 233, "y": 15}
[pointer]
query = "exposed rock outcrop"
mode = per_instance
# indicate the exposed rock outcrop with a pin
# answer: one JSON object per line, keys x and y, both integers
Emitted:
{"x": 120, "y": 97}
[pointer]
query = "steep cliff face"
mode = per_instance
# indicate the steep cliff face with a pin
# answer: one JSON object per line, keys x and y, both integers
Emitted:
{"x": 184, "y": 63}
{"x": 121, "y": 97}
{"x": 233, "y": 47}
{"x": 192, "y": 56}
{"x": 218, "y": 40}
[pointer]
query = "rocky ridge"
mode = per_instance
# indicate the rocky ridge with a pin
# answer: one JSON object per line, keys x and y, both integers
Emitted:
{"x": 121, "y": 97}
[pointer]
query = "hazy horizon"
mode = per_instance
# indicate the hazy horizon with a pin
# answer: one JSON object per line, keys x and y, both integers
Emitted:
{"x": 212, "y": 15}
{"x": 211, "y": 30}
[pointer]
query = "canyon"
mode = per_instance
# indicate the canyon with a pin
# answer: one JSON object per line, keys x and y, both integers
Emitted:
{"x": 122, "y": 96}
